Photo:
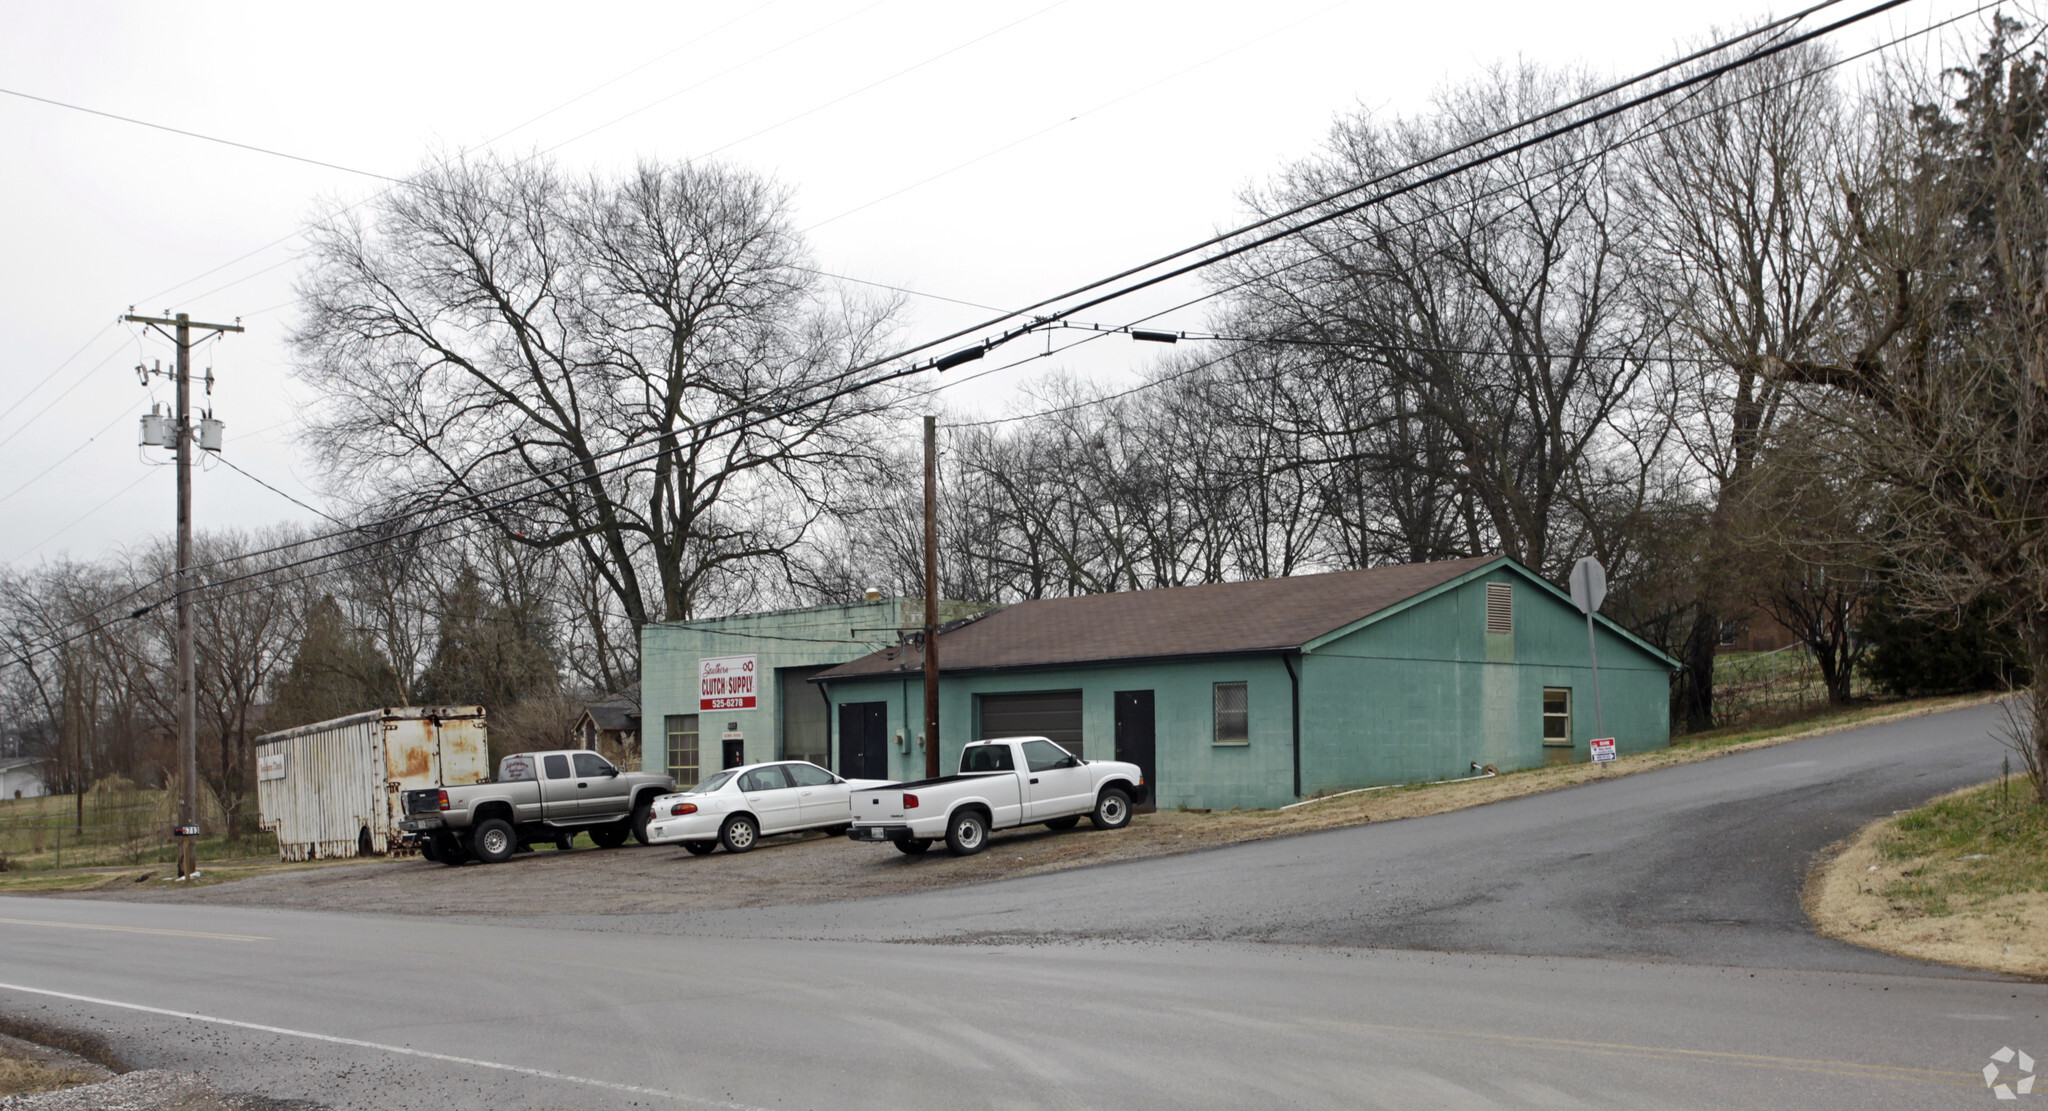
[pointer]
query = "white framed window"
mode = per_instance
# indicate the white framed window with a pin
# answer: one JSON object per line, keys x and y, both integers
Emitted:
{"x": 1233, "y": 714}
{"x": 1557, "y": 716}
{"x": 683, "y": 763}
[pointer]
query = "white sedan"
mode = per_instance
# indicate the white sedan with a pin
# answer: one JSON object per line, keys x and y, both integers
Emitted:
{"x": 739, "y": 806}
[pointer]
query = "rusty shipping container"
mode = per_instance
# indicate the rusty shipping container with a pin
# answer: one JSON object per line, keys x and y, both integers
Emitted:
{"x": 335, "y": 788}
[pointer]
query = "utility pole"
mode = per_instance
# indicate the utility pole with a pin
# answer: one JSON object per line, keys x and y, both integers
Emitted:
{"x": 188, "y": 678}
{"x": 931, "y": 597}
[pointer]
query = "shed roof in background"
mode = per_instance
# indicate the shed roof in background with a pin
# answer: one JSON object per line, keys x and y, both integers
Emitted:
{"x": 619, "y": 710}
{"x": 1263, "y": 615}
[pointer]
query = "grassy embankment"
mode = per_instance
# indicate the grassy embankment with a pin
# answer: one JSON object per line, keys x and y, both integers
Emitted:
{"x": 122, "y": 826}
{"x": 1962, "y": 880}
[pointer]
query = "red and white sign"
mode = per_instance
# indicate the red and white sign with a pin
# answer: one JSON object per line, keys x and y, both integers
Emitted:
{"x": 1603, "y": 750}
{"x": 726, "y": 683}
{"x": 270, "y": 765}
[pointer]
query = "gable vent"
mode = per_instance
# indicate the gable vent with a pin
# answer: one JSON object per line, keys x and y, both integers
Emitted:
{"x": 1500, "y": 608}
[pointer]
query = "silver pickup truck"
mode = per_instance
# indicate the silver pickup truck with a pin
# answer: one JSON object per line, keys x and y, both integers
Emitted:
{"x": 1017, "y": 781}
{"x": 537, "y": 796}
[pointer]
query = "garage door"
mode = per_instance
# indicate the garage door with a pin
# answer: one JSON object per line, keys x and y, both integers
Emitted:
{"x": 1054, "y": 715}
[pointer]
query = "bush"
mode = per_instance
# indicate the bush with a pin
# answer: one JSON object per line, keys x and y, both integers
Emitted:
{"x": 1966, "y": 651}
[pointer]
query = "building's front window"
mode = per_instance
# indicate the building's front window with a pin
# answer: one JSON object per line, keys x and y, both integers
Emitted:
{"x": 1557, "y": 716}
{"x": 1233, "y": 714}
{"x": 683, "y": 763}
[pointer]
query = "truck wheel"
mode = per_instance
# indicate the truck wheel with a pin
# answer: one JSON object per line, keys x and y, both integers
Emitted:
{"x": 1112, "y": 809}
{"x": 426, "y": 845}
{"x": 493, "y": 841}
{"x": 643, "y": 812}
{"x": 611, "y": 836}
{"x": 1068, "y": 822}
{"x": 913, "y": 846}
{"x": 565, "y": 841}
{"x": 700, "y": 848}
{"x": 739, "y": 834}
{"x": 967, "y": 833}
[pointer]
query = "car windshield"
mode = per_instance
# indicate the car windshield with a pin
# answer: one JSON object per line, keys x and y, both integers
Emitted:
{"x": 712, "y": 784}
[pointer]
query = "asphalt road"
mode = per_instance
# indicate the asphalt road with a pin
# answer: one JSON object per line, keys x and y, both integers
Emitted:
{"x": 1635, "y": 943}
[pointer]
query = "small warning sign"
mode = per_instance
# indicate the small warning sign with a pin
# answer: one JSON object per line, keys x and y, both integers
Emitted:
{"x": 1603, "y": 750}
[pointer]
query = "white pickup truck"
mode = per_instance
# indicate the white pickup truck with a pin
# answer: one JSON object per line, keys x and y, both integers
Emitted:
{"x": 1017, "y": 781}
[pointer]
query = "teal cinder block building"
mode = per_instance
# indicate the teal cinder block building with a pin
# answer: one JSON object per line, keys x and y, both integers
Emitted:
{"x": 787, "y": 718}
{"x": 1256, "y": 694}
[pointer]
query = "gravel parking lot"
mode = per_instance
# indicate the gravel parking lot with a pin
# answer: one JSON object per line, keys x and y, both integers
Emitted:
{"x": 801, "y": 868}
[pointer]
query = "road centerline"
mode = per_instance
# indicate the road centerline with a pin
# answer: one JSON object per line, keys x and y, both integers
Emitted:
{"x": 133, "y": 929}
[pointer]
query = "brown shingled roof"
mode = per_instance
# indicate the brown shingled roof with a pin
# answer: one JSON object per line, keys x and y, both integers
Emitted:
{"x": 1264, "y": 615}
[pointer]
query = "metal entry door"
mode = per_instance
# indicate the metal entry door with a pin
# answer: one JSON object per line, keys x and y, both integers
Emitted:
{"x": 1135, "y": 735}
{"x": 864, "y": 740}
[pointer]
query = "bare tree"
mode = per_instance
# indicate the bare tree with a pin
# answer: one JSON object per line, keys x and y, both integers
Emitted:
{"x": 1494, "y": 309}
{"x": 1941, "y": 382}
{"x": 1744, "y": 259}
{"x": 494, "y": 321}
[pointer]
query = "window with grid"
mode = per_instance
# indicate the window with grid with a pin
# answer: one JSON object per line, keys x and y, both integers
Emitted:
{"x": 1557, "y": 715}
{"x": 1233, "y": 716}
{"x": 1500, "y": 608}
{"x": 682, "y": 749}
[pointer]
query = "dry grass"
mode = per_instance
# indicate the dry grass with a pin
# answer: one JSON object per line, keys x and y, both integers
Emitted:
{"x": 26, "y": 1069}
{"x": 113, "y": 880}
{"x": 1962, "y": 880}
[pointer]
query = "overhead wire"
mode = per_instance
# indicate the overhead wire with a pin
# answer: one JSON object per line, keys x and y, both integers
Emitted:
{"x": 753, "y": 417}
{"x": 1664, "y": 126}
{"x": 45, "y": 380}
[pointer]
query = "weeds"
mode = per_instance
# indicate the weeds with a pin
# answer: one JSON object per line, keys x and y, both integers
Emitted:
{"x": 1961, "y": 852}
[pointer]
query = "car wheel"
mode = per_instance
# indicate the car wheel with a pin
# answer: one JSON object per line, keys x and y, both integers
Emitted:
{"x": 1067, "y": 822}
{"x": 611, "y": 836}
{"x": 700, "y": 848}
{"x": 913, "y": 846}
{"x": 739, "y": 834}
{"x": 643, "y": 812}
{"x": 493, "y": 841}
{"x": 1112, "y": 809}
{"x": 565, "y": 841}
{"x": 967, "y": 833}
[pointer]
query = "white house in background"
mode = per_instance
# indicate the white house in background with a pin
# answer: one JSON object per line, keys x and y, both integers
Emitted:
{"x": 21, "y": 777}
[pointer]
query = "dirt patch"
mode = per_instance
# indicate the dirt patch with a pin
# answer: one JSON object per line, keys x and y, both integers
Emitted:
{"x": 811, "y": 868}
{"x": 1967, "y": 894}
{"x": 27, "y": 1068}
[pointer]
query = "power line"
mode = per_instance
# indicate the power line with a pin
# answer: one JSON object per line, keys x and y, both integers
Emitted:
{"x": 230, "y": 464}
{"x": 80, "y": 519}
{"x": 31, "y": 391}
{"x": 202, "y": 136}
{"x": 66, "y": 457}
{"x": 753, "y": 417}
{"x": 748, "y": 420}
{"x": 83, "y": 377}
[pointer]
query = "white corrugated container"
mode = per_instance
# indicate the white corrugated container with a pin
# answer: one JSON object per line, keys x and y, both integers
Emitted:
{"x": 336, "y": 788}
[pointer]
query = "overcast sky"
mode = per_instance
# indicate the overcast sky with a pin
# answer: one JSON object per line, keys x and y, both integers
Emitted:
{"x": 991, "y": 153}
